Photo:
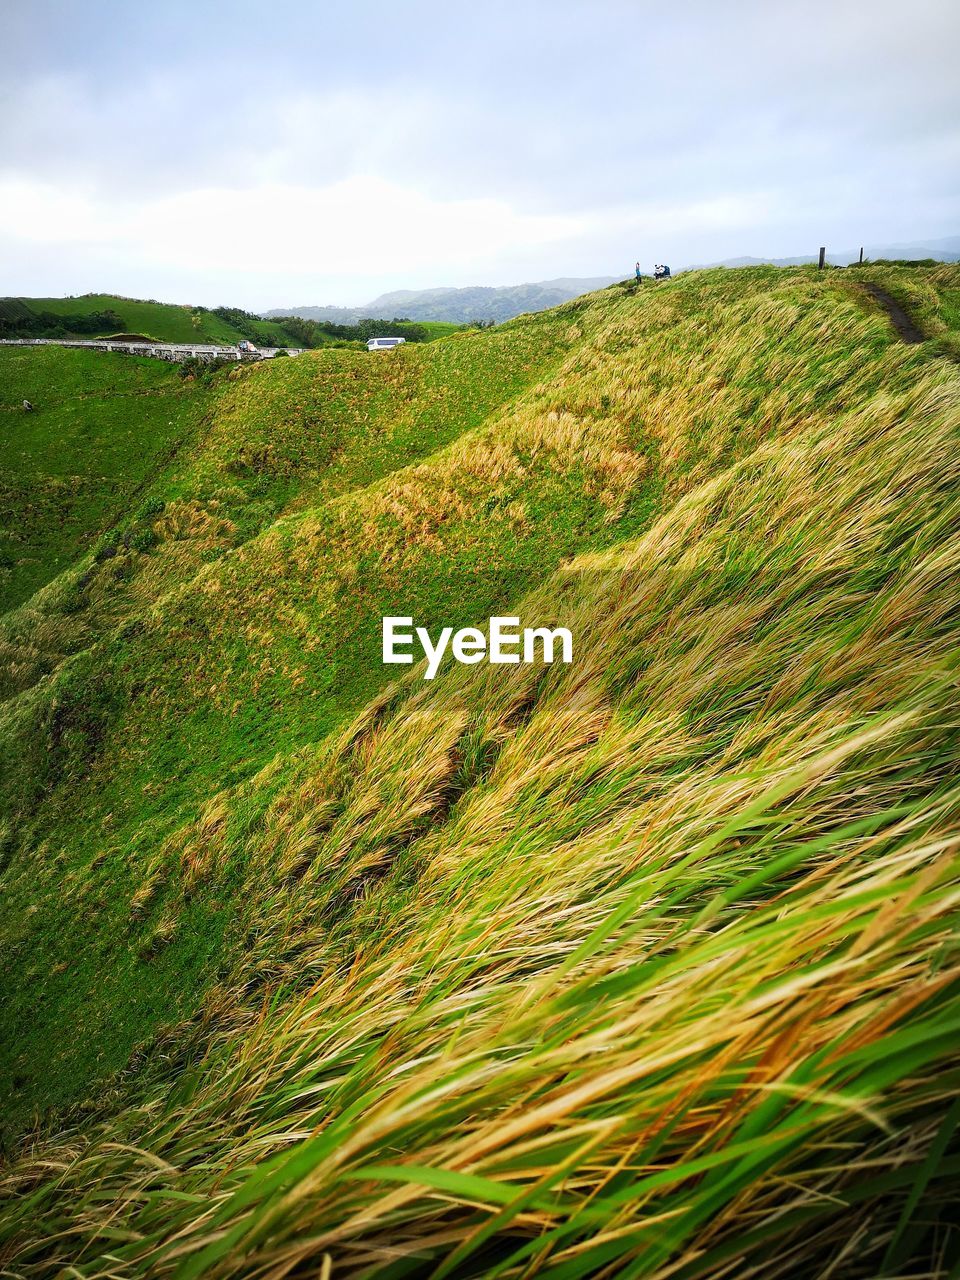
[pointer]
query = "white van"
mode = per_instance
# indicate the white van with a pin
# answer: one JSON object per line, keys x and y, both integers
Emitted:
{"x": 383, "y": 344}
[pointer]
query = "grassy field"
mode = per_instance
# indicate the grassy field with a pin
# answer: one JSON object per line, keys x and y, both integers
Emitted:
{"x": 931, "y": 298}
{"x": 439, "y": 328}
{"x": 643, "y": 966}
{"x": 162, "y": 321}
{"x": 101, "y": 428}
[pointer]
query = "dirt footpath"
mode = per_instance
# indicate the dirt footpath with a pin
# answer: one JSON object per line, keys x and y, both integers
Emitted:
{"x": 904, "y": 326}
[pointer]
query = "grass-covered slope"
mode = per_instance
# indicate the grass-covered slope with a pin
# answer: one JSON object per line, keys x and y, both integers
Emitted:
{"x": 94, "y": 315}
{"x": 162, "y": 321}
{"x": 274, "y": 435}
{"x": 931, "y": 298}
{"x": 640, "y": 966}
{"x": 100, "y": 429}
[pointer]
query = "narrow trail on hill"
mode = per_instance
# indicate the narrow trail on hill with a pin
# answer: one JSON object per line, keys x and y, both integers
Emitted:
{"x": 904, "y": 326}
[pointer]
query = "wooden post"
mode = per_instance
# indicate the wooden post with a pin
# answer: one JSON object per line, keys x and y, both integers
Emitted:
{"x": 861, "y": 255}
{"x": 823, "y": 253}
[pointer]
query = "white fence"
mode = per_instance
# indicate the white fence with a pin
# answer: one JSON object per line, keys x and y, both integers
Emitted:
{"x": 176, "y": 351}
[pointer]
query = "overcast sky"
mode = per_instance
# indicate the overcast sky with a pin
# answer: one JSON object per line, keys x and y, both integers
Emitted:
{"x": 263, "y": 155}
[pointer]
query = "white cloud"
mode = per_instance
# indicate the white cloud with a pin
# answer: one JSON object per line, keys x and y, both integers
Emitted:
{"x": 346, "y": 228}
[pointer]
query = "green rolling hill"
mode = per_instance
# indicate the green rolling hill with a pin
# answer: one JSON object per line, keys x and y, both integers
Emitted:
{"x": 102, "y": 429}
{"x": 98, "y": 315}
{"x": 639, "y": 966}
{"x": 161, "y": 321}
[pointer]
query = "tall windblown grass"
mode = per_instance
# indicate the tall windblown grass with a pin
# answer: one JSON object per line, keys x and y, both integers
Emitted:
{"x": 643, "y": 967}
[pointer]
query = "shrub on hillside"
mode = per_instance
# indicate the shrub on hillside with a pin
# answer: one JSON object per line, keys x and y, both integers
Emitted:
{"x": 204, "y": 370}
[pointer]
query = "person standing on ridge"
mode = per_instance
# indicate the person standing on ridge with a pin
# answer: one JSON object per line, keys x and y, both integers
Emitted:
{"x": 638, "y": 273}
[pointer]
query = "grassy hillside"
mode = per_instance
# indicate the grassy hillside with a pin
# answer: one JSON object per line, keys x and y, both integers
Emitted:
{"x": 931, "y": 298}
{"x": 102, "y": 315}
{"x": 162, "y": 321}
{"x": 647, "y": 963}
{"x": 101, "y": 429}
{"x": 439, "y": 328}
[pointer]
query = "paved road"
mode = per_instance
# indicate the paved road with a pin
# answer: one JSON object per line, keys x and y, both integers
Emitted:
{"x": 175, "y": 351}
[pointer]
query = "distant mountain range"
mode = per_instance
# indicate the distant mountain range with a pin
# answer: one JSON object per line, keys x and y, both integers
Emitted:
{"x": 945, "y": 250}
{"x": 480, "y": 302}
{"x": 462, "y": 305}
